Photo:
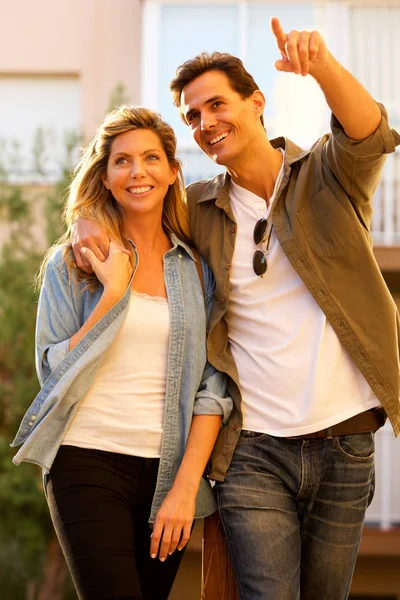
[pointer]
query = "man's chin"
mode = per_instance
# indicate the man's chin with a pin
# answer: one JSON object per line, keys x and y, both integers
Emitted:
{"x": 218, "y": 157}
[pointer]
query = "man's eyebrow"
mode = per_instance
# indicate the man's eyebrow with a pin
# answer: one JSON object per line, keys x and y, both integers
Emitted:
{"x": 208, "y": 101}
{"x": 214, "y": 98}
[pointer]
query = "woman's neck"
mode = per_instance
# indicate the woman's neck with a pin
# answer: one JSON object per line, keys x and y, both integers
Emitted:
{"x": 148, "y": 235}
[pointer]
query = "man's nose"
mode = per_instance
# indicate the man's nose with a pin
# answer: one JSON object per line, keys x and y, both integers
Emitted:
{"x": 208, "y": 121}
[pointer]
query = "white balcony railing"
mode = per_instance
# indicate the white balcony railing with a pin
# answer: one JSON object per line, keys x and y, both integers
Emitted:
{"x": 386, "y": 203}
{"x": 384, "y": 511}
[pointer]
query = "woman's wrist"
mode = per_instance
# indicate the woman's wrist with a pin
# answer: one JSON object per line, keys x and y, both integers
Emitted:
{"x": 113, "y": 293}
{"x": 185, "y": 485}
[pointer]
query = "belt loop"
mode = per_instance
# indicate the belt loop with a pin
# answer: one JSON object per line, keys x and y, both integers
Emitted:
{"x": 329, "y": 433}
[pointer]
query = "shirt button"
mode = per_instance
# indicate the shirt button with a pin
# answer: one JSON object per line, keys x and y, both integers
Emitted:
{"x": 180, "y": 255}
{"x": 33, "y": 418}
{"x": 228, "y": 266}
{"x": 30, "y": 424}
{"x": 234, "y": 229}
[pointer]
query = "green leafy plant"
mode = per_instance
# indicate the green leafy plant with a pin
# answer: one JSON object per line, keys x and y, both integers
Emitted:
{"x": 28, "y": 547}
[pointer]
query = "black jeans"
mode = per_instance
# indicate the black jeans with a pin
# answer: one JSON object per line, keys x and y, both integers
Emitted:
{"x": 100, "y": 504}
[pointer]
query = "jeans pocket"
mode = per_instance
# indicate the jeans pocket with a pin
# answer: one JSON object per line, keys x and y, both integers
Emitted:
{"x": 359, "y": 447}
{"x": 372, "y": 489}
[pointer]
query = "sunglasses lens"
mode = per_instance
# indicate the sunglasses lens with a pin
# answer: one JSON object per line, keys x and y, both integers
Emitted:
{"x": 260, "y": 231}
{"x": 259, "y": 263}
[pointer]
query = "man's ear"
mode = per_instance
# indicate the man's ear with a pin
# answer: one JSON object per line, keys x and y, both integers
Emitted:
{"x": 105, "y": 182}
{"x": 259, "y": 102}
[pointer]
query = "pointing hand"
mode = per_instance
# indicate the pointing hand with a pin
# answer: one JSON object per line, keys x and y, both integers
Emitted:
{"x": 302, "y": 52}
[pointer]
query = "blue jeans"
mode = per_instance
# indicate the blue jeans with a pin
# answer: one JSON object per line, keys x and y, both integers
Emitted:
{"x": 293, "y": 513}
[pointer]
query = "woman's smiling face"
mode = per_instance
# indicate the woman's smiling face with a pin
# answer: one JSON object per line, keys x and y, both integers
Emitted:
{"x": 138, "y": 172}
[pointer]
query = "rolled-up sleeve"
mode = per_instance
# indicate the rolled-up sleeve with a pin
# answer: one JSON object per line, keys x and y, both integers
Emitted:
{"x": 211, "y": 398}
{"x": 383, "y": 141}
{"x": 357, "y": 164}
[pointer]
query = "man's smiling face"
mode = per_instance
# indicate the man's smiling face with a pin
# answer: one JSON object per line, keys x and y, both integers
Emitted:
{"x": 223, "y": 124}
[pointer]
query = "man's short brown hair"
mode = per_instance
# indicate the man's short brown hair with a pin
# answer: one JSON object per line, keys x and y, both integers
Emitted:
{"x": 240, "y": 80}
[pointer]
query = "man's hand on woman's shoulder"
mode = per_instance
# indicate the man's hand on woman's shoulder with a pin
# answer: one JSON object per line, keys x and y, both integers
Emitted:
{"x": 92, "y": 235}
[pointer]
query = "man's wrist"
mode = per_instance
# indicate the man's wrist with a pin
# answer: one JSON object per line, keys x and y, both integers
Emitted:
{"x": 325, "y": 70}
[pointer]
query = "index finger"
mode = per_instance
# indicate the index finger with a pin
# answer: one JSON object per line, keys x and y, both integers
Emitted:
{"x": 278, "y": 31}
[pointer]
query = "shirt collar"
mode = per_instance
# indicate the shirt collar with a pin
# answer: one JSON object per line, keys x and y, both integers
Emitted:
{"x": 178, "y": 242}
{"x": 218, "y": 187}
{"x": 175, "y": 243}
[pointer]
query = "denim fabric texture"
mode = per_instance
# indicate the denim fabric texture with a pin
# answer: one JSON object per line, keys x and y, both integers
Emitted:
{"x": 193, "y": 386}
{"x": 293, "y": 513}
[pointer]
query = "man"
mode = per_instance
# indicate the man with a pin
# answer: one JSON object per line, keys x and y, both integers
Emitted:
{"x": 302, "y": 320}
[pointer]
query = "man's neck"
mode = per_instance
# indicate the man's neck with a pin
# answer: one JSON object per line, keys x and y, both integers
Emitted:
{"x": 258, "y": 172}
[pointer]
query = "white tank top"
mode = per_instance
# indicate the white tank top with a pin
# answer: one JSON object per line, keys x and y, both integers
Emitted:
{"x": 295, "y": 376}
{"x": 124, "y": 407}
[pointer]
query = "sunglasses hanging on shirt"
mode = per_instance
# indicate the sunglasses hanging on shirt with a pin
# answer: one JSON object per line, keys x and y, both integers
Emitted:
{"x": 260, "y": 256}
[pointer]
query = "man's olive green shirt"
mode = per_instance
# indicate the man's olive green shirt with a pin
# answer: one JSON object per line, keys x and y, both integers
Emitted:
{"x": 322, "y": 217}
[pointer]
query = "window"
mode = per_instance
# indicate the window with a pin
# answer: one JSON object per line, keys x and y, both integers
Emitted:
{"x": 364, "y": 39}
{"x": 375, "y": 54}
{"x": 36, "y": 114}
{"x": 175, "y": 32}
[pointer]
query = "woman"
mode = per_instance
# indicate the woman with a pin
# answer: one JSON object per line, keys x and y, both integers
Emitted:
{"x": 129, "y": 409}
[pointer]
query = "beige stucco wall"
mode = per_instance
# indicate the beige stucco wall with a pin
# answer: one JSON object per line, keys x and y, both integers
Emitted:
{"x": 95, "y": 40}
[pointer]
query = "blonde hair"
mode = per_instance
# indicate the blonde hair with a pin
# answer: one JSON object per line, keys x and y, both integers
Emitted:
{"x": 88, "y": 197}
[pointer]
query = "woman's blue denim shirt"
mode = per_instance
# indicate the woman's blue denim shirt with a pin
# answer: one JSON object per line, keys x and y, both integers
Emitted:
{"x": 193, "y": 386}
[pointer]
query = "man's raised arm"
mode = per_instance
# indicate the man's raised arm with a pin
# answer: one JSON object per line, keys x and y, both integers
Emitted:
{"x": 305, "y": 52}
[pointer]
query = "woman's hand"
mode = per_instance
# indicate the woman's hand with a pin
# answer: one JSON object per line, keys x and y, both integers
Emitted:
{"x": 115, "y": 272}
{"x": 173, "y": 523}
{"x": 92, "y": 235}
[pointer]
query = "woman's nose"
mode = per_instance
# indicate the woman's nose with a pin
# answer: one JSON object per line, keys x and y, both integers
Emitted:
{"x": 137, "y": 170}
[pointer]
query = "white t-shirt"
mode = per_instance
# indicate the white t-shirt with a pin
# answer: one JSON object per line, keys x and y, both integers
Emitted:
{"x": 295, "y": 376}
{"x": 124, "y": 407}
